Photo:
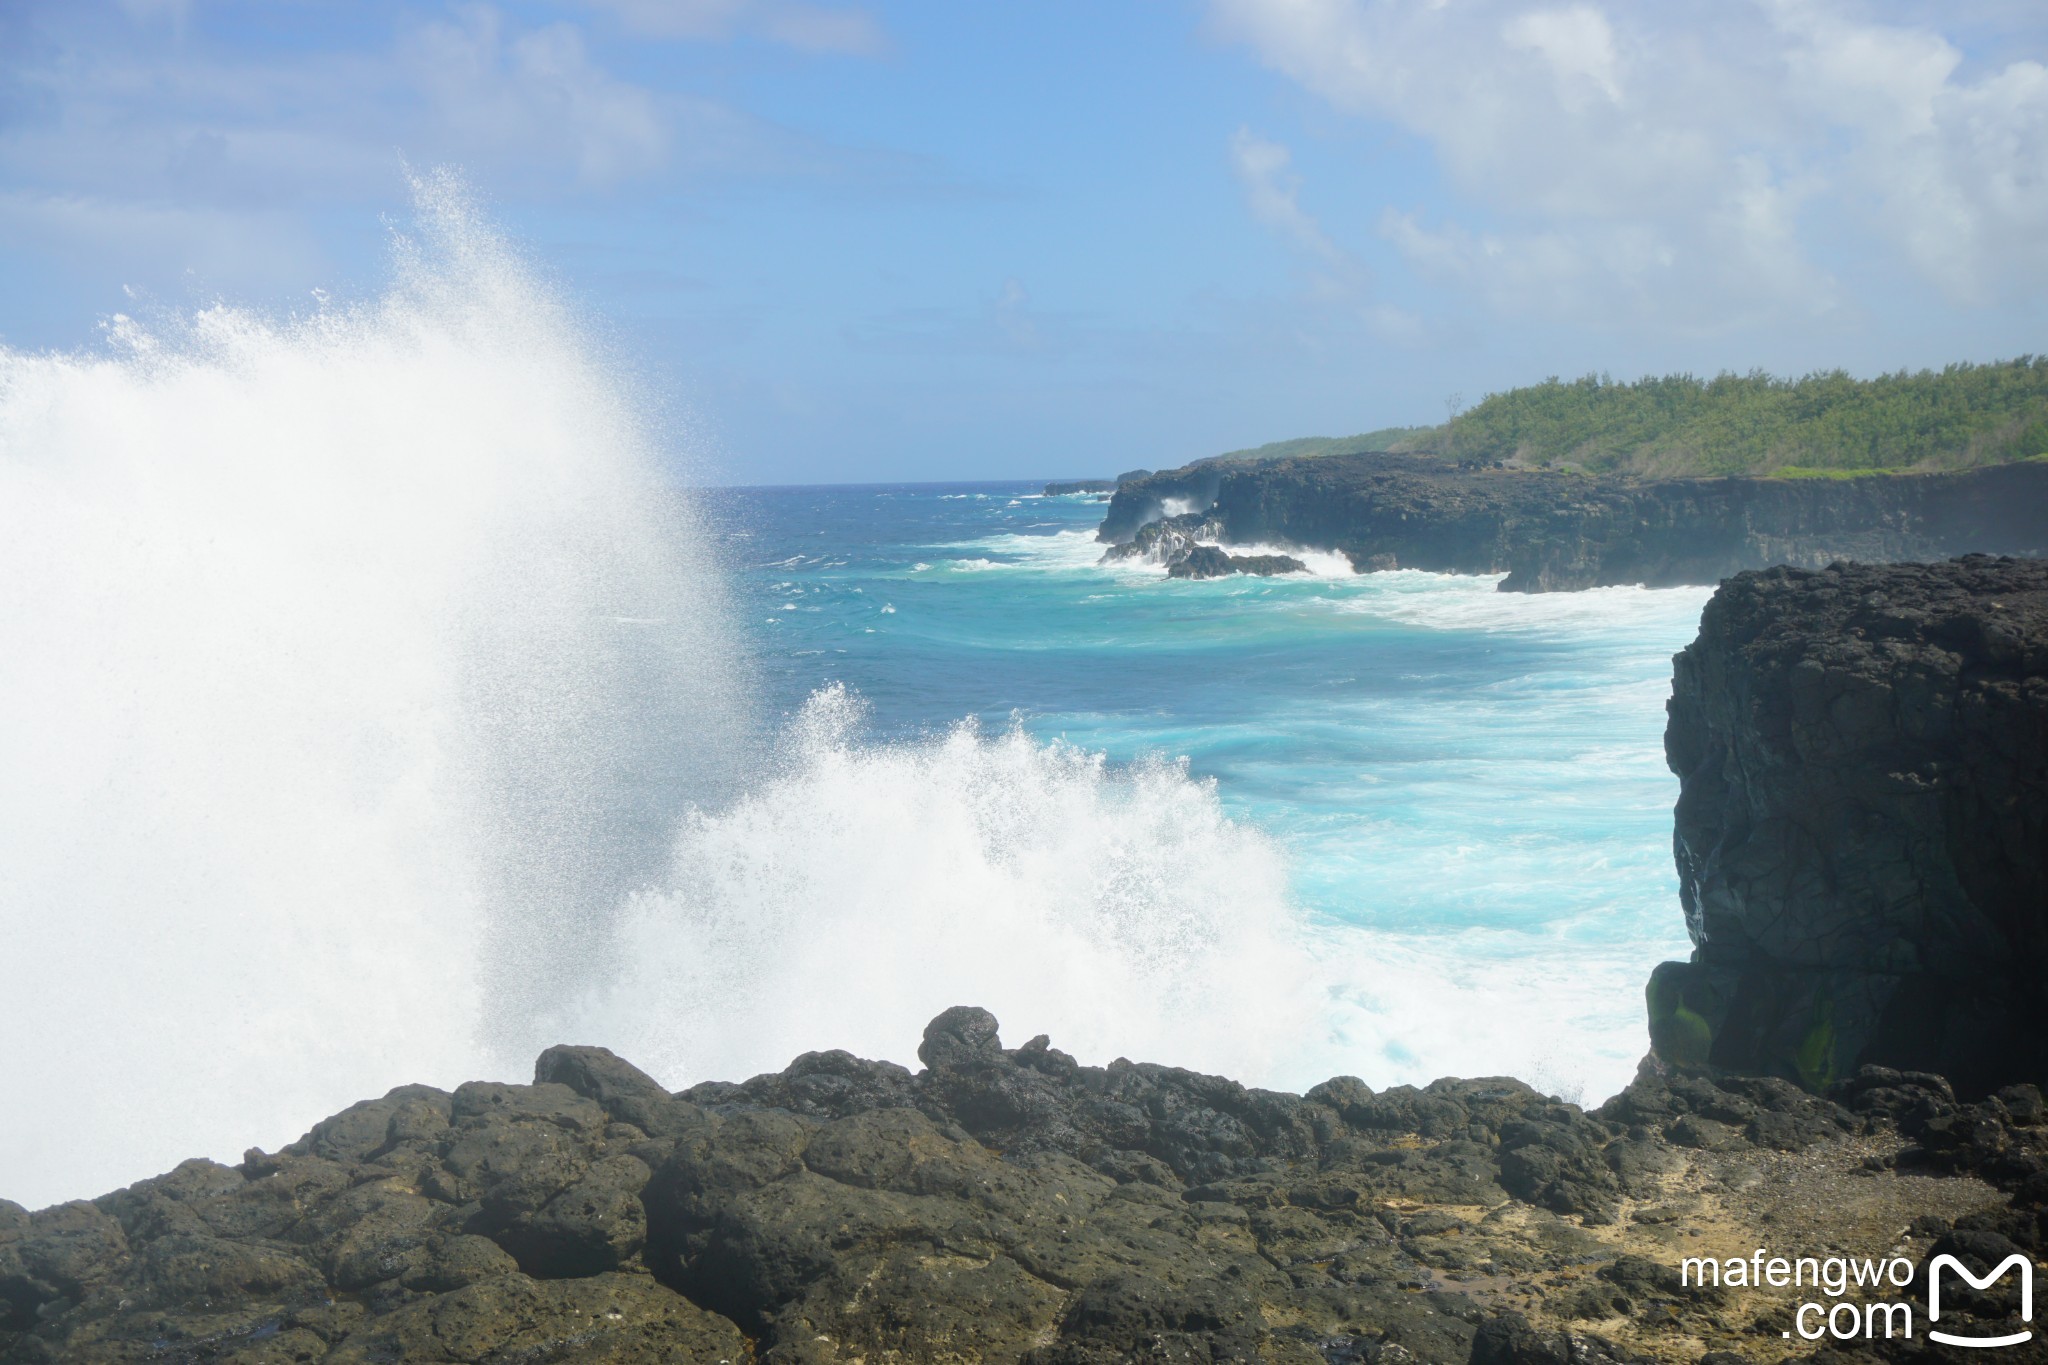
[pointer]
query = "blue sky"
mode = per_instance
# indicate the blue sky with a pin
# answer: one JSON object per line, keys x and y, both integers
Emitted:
{"x": 941, "y": 240}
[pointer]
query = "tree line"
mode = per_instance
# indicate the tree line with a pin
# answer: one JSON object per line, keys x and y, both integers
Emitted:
{"x": 1826, "y": 424}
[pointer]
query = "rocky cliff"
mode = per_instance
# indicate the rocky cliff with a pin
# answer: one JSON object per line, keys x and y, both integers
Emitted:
{"x": 1009, "y": 1204}
{"x": 1550, "y": 531}
{"x": 1862, "y": 825}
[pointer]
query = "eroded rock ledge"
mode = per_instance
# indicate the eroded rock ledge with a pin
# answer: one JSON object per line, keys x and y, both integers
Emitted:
{"x": 1011, "y": 1204}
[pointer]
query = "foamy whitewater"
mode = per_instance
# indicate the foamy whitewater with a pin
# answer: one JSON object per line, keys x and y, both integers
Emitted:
{"x": 377, "y": 711}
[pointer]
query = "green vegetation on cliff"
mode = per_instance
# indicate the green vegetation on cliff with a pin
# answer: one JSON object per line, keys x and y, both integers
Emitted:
{"x": 1824, "y": 425}
{"x": 1305, "y": 447}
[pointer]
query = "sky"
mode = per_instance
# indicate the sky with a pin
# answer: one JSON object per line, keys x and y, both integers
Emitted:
{"x": 967, "y": 239}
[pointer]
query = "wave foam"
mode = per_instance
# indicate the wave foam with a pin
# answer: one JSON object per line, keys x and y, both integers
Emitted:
{"x": 365, "y": 677}
{"x": 328, "y": 749}
{"x": 1321, "y": 563}
{"x": 863, "y": 888}
{"x": 1475, "y": 602}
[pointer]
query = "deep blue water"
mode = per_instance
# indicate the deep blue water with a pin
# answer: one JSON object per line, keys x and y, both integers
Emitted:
{"x": 1467, "y": 786}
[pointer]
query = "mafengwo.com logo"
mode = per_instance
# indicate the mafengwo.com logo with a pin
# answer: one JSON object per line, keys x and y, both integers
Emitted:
{"x": 1863, "y": 1318}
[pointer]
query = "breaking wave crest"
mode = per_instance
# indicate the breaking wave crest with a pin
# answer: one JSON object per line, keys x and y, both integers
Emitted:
{"x": 355, "y": 664}
{"x": 860, "y": 888}
{"x": 373, "y": 717}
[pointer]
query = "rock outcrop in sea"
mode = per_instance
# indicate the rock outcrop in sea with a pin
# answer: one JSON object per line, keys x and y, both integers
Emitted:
{"x": 1206, "y": 561}
{"x": 1180, "y": 544}
{"x": 1862, "y": 824}
{"x": 1551, "y": 531}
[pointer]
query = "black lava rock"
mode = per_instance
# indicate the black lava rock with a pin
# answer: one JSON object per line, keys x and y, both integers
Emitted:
{"x": 1861, "y": 825}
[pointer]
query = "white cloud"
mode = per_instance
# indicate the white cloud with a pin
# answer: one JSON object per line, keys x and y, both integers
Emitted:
{"x": 1957, "y": 168}
{"x": 1339, "y": 282}
{"x": 195, "y": 162}
{"x": 1618, "y": 161}
{"x": 1272, "y": 189}
{"x": 809, "y": 28}
{"x": 1577, "y": 43}
{"x": 501, "y": 95}
{"x": 527, "y": 111}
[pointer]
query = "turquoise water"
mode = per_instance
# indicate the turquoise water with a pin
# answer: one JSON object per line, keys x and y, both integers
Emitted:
{"x": 392, "y": 720}
{"x": 1465, "y": 788}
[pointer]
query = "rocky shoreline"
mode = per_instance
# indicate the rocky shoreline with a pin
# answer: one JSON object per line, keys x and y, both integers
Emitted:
{"x": 1551, "y": 531}
{"x": 1010, "y": 1204}
{"x": 1863, "y": 754}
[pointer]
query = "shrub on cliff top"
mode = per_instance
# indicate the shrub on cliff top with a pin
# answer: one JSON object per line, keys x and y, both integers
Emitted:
{"x": 1823, "y": 424}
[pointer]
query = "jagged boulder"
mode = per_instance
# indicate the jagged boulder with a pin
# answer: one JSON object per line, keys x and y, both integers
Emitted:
{"x": 1201, "y": 561}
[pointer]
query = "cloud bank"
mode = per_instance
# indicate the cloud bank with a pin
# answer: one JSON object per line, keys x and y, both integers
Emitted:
{"x": 1701, "y": 165}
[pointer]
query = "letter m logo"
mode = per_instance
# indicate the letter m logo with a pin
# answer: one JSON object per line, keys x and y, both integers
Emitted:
{"x": 2026, "y": 1269}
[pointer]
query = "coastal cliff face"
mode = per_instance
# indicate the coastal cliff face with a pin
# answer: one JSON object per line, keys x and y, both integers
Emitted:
{"x": 1009, "y": 1204}
{"x": 1549, "y": 531}
{"x": 1862, "y": 825}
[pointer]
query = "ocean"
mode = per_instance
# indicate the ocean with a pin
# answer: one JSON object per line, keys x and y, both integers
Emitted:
{"x": 1457, "y": 796}
{"x": 382, "y": 707}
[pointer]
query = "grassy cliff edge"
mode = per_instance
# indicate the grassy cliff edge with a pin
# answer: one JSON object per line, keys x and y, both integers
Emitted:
{"x": 1825, "y": 424}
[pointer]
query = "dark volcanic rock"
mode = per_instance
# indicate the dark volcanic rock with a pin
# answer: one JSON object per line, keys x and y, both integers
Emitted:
{"x": 1177, "y": 543}
{"x": 1510, "y": 1340}
{"x": 1003, "y": 1204}
{"x": 1167, "y": 540}
{"x": 1155, "y": 497}
{"x": 1203, "y": 561}
{"x": 608, "y": 1318}
{"x": 1267, "y": 565}
{"x": 626, "y": 1093}
{"x": 1550, "y": 531}
{"x": 1862, "y": 827}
